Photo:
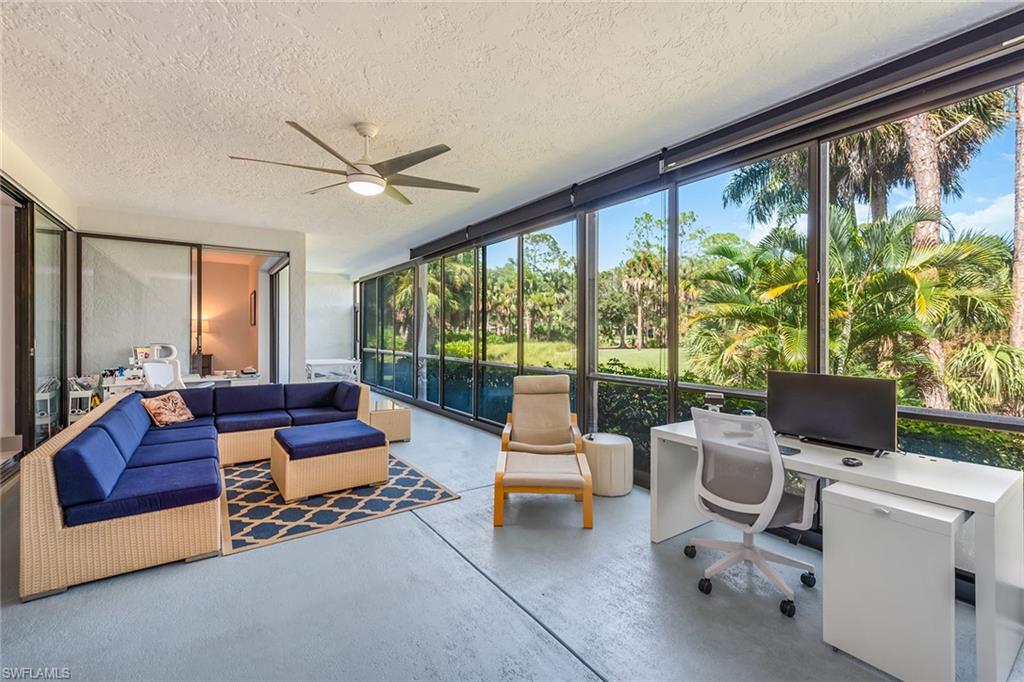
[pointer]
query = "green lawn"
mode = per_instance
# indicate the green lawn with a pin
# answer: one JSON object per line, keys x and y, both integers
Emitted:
{"x": 645, "y": 358}
{"x": 562, "y": 353}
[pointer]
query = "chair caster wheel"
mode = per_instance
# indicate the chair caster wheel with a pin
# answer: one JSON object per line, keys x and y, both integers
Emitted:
{"x": 787, "y": 608}
{"x": 808, "y": 579}
{"x": 704, "y": 585}
{"x": 690, "y": 551}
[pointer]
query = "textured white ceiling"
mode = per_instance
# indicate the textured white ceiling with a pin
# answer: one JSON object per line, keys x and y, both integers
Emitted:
{"x": 136, "y": 106}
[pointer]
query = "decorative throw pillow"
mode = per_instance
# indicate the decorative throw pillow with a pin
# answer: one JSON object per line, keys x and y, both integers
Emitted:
{"x": 169, "y": 408}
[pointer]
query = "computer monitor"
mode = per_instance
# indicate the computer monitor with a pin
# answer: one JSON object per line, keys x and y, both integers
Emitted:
{"x": 846, "y": 411}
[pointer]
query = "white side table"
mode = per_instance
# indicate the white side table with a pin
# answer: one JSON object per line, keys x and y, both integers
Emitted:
{"x": 610, "y": 457}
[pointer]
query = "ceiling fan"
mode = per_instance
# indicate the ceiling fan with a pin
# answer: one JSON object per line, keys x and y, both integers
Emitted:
{"x": 369, "y": 178}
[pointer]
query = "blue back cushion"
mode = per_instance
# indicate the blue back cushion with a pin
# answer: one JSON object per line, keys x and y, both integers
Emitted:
{"x": 319, "y": 394}
{"x": 136, "y": 413}
{"x": 198, "y": 400}
{"x": 87, "y": 468}
{"x": 121, "y": 430}
{"x": 346, "y": 396}
{"x": 238, "y": 399}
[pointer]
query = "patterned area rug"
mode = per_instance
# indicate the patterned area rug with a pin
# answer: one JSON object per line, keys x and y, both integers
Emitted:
{"x": 258, "y": 516}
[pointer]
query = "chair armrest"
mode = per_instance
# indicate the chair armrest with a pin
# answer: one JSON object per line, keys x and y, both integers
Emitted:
{"x": 506, "y": 434}
{"x": 581, "y": 459}
{"x": 577, "y": 437}
{"x": 810, "y": 503}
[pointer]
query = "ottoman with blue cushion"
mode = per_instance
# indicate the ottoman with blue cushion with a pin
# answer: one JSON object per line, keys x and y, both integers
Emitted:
{"x": 322, "y": 458}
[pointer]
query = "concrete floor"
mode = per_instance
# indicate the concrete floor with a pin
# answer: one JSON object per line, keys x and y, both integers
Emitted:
{"x": 439, "y": 594}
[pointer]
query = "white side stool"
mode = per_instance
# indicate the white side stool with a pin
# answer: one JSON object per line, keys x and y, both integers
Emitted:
{"x": 610, "y": 457}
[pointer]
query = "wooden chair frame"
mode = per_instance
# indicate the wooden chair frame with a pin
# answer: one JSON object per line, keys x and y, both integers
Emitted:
{"x": 501, "y": 491}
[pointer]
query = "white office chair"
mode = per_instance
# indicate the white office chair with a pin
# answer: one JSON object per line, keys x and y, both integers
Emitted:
{"x": 741, "y": 481}
{"x": 164, "y": 371}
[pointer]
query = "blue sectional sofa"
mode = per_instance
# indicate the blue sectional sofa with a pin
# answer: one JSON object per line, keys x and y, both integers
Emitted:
{"x": 115, "y": 493}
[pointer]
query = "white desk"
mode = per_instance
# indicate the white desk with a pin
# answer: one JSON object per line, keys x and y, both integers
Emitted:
{"x": 995, "y": 497}
{"x": 346, "y": 367}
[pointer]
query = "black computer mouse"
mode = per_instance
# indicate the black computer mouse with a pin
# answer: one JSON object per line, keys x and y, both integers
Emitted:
{"x": 852, "y": 461}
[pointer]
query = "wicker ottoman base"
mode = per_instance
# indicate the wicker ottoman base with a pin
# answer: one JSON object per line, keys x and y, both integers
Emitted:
{"x": 300, "y": 478}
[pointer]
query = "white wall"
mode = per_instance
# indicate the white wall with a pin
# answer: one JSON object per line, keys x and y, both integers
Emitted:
{"x": 328, "y": 315}
{"x": 30, "y": 177}
{"x": 219, "y": 234}
{"x": 7, "y": 416}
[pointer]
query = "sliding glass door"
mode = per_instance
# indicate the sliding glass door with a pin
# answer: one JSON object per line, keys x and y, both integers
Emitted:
{"x": 48, "y": 325}
{"x": 133, "y": 293}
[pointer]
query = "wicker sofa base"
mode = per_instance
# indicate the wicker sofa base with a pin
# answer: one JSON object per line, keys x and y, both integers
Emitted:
{"x": 236, "y": 447}
{"x": 54, "y": 556}
{"x": 300, "y": 478}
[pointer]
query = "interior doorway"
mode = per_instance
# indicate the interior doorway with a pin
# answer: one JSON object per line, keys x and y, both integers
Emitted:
{"x": 231, "y": 332}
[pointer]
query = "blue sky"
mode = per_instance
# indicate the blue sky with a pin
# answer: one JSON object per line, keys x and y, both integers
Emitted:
{"x": 986, "y": 204}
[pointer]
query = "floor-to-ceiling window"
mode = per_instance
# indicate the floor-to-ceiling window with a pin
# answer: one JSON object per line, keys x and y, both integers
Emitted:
{"x": 430, "y": 332}
{"x": 499, "y": 328}
{"x": 370, "y": 326}
{"x": 404, "y": 329}
{"x": 926, "y": 285}
{"x": 459, "y": 291}
{"x": 853, "y": 255}
{"x": 551, "y": 328}
{"x": 631, "y": 318}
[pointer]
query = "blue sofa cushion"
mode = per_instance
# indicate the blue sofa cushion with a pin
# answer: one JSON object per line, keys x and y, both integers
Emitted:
{"x": 87, "y": 468}
{"x": 318, "y": 415}
{"x": 195, "y": 423}
{"x": 132, "y": 408}
{"x": 250, "y": 421}
{"x": 157, "y": 436}
{"x": 198, "y": 400}
{"x": 165, "y": 453}
{"x": 346, "y": 396}
{"x": 119, "y": 427}
{"x": 314, "y": 440}
{"x": 242, "y": 399}
{"x": 317, "y": 394}
{"x": 152, "y": 488}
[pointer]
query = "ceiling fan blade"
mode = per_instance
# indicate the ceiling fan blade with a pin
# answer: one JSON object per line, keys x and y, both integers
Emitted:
{"x": 400, "y": 163}
{"x": 396, "y": 195}
{"x": 321, "y": 189}
{"x": 323, "y": 145}
{"x": 332, "y": 171}
{"x": 427, "y": 183}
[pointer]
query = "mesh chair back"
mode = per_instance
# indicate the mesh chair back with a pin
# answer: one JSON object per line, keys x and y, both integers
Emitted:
{"x": 739, "y": 468}
{"x": 162, "y": 374}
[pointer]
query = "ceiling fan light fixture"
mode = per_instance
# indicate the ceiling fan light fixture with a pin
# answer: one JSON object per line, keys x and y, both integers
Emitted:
{"x": 365, "y": 184}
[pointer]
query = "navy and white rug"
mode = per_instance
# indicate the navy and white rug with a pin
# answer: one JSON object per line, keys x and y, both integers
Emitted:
{"x": 258, "y": 516}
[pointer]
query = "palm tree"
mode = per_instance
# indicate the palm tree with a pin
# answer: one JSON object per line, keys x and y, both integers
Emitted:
{"x": 1017, "y": 278}
{"x": 943, "y": 143}
{"x": 865, "y": 165}
{"x": 751, "y": 315}
{"x": 885, "y": 294}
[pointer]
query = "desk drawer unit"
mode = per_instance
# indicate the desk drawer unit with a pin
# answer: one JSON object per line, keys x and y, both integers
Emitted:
{"x": 888, "y": 595}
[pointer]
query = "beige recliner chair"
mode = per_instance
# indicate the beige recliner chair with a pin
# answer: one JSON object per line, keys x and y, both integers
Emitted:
{"x": 541, "y": 447}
